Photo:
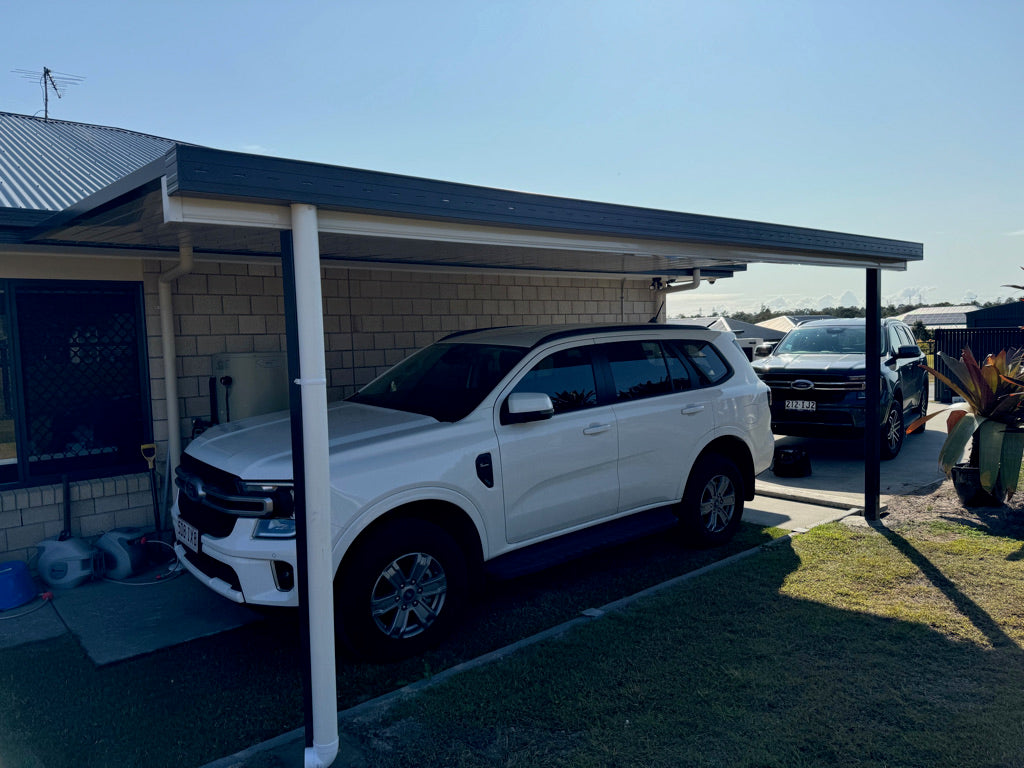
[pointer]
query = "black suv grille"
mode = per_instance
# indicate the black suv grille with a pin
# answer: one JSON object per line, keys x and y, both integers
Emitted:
{"x": 211, "y": 521}
{"x": 822, "y": 388}
{"x": 821, "y": 382}
{"x": 212, "y": 500}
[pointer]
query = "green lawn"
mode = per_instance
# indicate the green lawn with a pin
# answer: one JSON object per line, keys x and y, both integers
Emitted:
{"x": 847, "y": 647}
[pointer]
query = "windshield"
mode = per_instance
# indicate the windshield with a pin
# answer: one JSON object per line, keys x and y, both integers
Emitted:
{"x": 825, "y": 340}
{"x": 445, "y": 380}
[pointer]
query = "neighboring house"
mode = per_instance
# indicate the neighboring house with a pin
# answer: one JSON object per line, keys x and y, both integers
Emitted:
{"x": 934, "y": 318}
{"x": 1003, "y": 316}
{"x": 743, "y": 330}
{"x": 129, "y": 262}
{"x": 785, "y": 323}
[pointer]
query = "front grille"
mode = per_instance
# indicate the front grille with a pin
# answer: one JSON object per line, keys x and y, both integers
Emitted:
{"x": 219, "y": 491}
{"x": 208, "y": 520}
{"x": 821, "y": 383}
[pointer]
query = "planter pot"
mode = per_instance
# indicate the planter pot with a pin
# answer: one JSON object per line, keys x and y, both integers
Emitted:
{"x": 967, "y": 482}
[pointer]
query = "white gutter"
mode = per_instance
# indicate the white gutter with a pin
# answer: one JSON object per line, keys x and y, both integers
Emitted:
{"x": 167, "y": 351}
{"x": 319, "y": 565}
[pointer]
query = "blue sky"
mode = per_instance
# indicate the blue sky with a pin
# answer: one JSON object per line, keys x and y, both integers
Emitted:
{"x": 892, "y": 119}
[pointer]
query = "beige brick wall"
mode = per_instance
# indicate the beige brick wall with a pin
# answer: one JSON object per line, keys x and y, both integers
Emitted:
{"x": 372, "y": 319}
{"x": 29, "y": 515}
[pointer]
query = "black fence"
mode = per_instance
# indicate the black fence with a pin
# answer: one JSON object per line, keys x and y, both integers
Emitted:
{"x": 982, "y": 342}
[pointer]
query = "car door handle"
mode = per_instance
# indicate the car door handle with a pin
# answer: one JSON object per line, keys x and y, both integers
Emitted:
{"x": 689, "y": 410}
{"x": 596, "y": 429}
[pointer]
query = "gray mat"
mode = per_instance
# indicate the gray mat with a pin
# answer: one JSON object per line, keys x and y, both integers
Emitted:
{"x": 29, "y": 623}
{"x": 114, "y": 621}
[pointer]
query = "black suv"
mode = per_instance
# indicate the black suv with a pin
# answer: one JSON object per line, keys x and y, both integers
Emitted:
{"x": 817, "y": 378}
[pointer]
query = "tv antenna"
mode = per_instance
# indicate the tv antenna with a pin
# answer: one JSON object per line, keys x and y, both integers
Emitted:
{"x": 47, "y": 79}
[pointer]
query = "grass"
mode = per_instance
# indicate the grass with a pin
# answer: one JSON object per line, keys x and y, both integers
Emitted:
{"x": 188, "y": 705}
{"x": 848, "y": 647}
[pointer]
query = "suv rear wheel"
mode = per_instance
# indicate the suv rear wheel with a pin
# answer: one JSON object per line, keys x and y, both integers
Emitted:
{"x": 712, "y": 505}
{"x": 401, "y": 591}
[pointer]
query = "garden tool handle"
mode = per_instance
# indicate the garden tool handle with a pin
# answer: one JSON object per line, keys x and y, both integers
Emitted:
{"x": 149, "y": 453}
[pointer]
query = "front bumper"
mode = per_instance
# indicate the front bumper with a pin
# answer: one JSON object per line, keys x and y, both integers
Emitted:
{"x": 239, "y": 567}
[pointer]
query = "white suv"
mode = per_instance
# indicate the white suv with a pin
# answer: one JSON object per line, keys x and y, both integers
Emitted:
{"x": 500, "y": 450}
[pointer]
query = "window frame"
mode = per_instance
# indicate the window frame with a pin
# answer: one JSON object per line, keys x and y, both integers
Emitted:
{"x": 25, "y": 474}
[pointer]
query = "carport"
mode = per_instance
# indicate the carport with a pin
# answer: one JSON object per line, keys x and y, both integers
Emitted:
{"x": 215, "y": 205}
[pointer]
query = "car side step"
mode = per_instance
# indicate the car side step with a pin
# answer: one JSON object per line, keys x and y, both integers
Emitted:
{"x": 571, "y": 546}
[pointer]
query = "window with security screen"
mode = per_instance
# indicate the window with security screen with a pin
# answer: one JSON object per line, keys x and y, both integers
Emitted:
{"x": 81, "y": 371}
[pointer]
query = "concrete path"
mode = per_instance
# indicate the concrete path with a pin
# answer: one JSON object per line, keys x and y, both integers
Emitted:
{"x": 837, "y": 469}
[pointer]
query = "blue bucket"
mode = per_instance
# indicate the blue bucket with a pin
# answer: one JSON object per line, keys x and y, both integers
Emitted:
{"x": 16, "y": 585}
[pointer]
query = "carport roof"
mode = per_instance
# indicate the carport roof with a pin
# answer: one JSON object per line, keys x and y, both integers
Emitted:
{"x": 232, "y": 205}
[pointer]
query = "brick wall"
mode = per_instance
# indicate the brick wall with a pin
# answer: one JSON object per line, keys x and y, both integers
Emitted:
{"x": 29, "y": 515}
{"x": 372, "y": 319}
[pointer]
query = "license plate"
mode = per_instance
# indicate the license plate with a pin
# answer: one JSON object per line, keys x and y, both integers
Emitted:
{"x": 800, "y": 405}
{"x": 188, "y": 535}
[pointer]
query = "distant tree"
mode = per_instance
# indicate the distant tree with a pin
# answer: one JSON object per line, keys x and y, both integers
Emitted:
{"x": 921, "y": 331}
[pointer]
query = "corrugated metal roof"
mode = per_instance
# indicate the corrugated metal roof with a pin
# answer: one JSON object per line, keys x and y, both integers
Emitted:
{"x": 48, "y": 165}
{"x": 945, "y": 317}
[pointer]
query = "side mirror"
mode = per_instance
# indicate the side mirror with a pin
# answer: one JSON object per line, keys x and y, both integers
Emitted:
{"x": 908, "y": 352}
{"x": 763, "y": 350}
{"x": 524, "y": 407}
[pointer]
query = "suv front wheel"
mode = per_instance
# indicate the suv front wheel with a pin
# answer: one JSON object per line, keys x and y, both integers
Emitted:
{"x": 401, "y": 591}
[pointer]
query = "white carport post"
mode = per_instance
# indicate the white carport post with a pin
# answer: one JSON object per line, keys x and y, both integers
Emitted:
{"x": 319, "y": 570}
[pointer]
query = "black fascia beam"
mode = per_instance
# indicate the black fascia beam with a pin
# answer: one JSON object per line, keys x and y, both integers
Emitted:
{"x": 136, "y": 184}
{"x": 215, "y": 173}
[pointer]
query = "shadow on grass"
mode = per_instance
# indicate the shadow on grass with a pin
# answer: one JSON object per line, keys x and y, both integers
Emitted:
{"x": 981, "y": 620}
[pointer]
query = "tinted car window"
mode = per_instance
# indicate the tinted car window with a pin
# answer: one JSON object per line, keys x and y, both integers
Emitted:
{"x": 445, "y": 381}
{"x": 710, "y": 366}
{"x": 567, "y": 377}
{"x": 638, "y": 369}
{"x": 895, "y": 342}
{"x": 680, "y": 371}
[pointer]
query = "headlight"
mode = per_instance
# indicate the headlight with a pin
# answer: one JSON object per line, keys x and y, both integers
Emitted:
{"x": 275, "y": 528}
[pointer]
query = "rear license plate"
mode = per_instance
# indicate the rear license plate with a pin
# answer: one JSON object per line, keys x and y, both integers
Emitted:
{"x": 800, "y": 405}
{"x": 188, "y": 535}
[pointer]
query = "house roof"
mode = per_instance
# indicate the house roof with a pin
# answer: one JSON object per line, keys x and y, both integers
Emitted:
{"x": 739, "y": 327}
{"x": 939, "y": 317}
{"x": 234, "y": 206}
{"x": 48, "y": 165}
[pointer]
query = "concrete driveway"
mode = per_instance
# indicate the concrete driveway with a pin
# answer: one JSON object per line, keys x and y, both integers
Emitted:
{"x": 837, "y": 469}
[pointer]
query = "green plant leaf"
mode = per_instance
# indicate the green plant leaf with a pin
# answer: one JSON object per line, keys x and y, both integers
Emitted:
{"x": 960, "y": 390}
{"x": 990, "y": 452}
{"x": 1011, "y": 459}
{"x": 956, "y": 441}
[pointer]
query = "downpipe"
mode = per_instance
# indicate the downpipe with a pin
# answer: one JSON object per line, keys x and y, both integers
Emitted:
{"x": 185, "y": 264}
{"x": 692, "y": 285}
{"x": 319, "y": 564}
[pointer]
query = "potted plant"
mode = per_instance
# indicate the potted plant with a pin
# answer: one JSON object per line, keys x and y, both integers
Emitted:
{"x": 990, "y": 418}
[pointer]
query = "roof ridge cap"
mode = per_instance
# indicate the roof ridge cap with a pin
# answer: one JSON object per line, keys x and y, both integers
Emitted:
{"x": 91, "y": 125}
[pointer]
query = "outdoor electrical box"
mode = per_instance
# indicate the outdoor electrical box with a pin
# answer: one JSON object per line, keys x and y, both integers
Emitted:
{"x": 248, "y": 384}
